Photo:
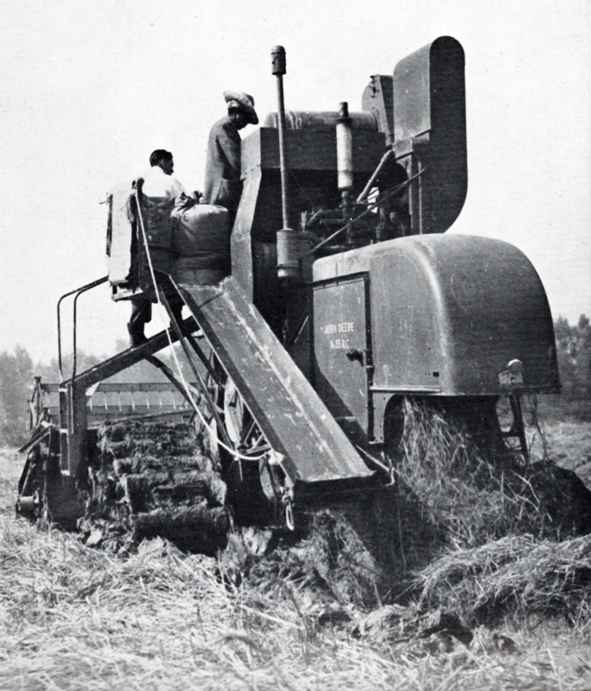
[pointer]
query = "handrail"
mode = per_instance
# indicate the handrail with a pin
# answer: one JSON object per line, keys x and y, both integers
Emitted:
{"x": 83, "y": 288}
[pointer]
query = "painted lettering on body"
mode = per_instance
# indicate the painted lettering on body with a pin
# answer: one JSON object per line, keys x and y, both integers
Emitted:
{"x": 338, "y": 329}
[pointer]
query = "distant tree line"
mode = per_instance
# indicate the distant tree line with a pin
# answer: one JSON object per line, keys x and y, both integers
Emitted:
{"x": 15, "y": 377}
{"x": 17, "y": 371}
{"x": 16, "y": 382}
{"x": 573, "y": 345}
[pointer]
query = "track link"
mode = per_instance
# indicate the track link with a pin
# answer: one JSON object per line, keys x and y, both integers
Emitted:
{"x": 151, "y": 478}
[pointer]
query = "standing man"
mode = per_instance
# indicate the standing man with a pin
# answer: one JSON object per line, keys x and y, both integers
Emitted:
{"x": 157, "y": 183}
{"x": 222, "y": 171}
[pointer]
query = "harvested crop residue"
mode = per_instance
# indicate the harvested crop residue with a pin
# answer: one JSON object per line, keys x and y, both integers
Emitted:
{"x": 494, "y": 594}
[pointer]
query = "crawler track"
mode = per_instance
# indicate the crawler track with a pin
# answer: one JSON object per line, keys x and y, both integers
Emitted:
{"x": 150, "y": 478}
{"x": 144, "y": 478}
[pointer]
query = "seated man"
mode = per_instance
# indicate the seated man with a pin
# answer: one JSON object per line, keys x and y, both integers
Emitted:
{"x": 158, "y": 183}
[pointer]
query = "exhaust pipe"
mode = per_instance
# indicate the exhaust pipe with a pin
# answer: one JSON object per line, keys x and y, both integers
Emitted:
{"x": 344, "y": 155}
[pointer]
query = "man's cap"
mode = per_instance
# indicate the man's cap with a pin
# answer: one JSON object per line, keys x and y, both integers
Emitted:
{"x": 243, "y": 102}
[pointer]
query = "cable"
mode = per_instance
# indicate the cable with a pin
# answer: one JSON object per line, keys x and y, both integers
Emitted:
{"x": 233, "y": 452}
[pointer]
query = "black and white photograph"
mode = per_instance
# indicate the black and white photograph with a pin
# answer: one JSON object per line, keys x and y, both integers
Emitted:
{"x": 295, "y": 356}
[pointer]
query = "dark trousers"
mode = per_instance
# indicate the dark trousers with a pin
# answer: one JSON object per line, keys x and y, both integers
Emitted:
{"x": 141, "y": 314}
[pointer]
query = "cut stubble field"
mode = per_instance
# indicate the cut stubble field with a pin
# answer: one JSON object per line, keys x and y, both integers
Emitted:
{"x": 74, "y": 617}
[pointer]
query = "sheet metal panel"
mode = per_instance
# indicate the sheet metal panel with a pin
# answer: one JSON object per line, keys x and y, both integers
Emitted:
{"x": 285, "y": 406}
{"x": 341, "y": 345}
{"x": 449, "y": 312}
{"x": 430, "y": 132}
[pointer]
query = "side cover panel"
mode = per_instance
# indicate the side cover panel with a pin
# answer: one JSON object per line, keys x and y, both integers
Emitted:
{"x": 342, "y": 349}
{"x": 448, "y": 314}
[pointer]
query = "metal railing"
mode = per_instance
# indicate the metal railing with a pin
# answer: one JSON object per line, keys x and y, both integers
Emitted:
{"x": 77, "y": 292}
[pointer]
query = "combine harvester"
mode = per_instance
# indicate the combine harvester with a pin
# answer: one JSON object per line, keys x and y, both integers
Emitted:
{"x": 344, "y": 300}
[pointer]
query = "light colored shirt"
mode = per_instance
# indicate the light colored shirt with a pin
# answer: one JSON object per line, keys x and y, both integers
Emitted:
{"x": 158, "y": 184}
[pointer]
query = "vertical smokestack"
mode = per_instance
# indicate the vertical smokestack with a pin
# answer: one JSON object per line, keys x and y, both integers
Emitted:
{"x": 288, "y": 263}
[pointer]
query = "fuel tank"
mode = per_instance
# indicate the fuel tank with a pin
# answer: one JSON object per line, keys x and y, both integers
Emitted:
{"x": 443, "y": 315}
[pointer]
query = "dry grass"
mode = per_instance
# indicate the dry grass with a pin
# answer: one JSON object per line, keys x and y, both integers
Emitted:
{"x": 75, "y": 617}
{"x": 72, "y": 617}
{"x": 517, "y": 576}
{"x": 496, "y": 539}
{"x": 570, "y": 442}
{"x": 452, "y": 498}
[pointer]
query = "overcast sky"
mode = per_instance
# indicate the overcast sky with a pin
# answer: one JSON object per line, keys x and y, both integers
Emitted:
{"x": 89, "y": 89}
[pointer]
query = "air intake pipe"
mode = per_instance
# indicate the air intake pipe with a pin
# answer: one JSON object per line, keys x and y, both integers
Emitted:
{"x": 288, "y": 240}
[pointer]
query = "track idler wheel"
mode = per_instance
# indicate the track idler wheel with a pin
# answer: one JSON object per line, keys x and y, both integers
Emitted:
{"x": 45, "y": 494}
